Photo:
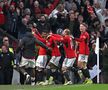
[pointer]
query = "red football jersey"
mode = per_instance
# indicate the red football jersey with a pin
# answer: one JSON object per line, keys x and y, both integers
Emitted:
{"x": 68, "y": 47}
{"x": 83, "y": 43}
{"x": 42, "y": 51}
{"x": 53, "y": 44}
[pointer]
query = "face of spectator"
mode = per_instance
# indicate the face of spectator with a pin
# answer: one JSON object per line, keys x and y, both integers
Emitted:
{"x": 5, "y": 1}
{"x": 93, "y": 46}
{"x": 97, "y": 24}
{"x": 4, "y": 49}
{"x": 49, "y": 5}
{"x": 27, "y": 11}
{"x": 6, "y": 41}
{"x": 61, "y": 8}
{"x": 71, "y": 12}
{"x": 106, "y": 23}
{"x": 87, "y": 2}
{"x": 80, "y": 18}
{"x": 12, "y": 8}
{"x": 82, "y": 28}
{"x": 24, "y": 21}
{"x": 1, "y": 4}
{"x": 98, "y": 34}
{"x": 72, "y": 17}
{"x": 97, "y": 5}
{"x": 27, "y": 17}
{"x": 74, "y": 7}
{"x": 36, "y": 4}
{"x": 21, "y": 5}
{"x": 76, "y": 15}
{"x": 42, "y": 19}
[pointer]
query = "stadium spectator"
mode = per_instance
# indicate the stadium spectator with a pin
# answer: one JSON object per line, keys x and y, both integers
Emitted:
{"x": 2, "y": 16}
{"x": 36, "y": 9}
{"x": 11, "y": 20}
{"x": 20, "y": 10}
{"x": 60, "y": 9}
{"x": 6, "y": 42}
{"x": 50, "y": 7}
{"x": 92, "y": 61}
{"x": 106, "y": 28}
{"x": 43, "y": 25}
{"x": 74, "y": 24}
{"x": 6, "y": 65}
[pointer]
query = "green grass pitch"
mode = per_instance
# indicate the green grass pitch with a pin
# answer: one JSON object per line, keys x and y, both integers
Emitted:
{"x": 56, "y": 87}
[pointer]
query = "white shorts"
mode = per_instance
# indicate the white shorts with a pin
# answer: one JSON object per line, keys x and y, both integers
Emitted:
{"x": 83, "y": 58}
{"x": 25, "y": 62}
{"x": 68, "y": 62}
{"x": 55, "y": 60}
{"x": 41, "y": 61}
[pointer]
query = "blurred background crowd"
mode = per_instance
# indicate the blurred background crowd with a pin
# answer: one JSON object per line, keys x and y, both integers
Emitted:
{"x": 16, "y": 16}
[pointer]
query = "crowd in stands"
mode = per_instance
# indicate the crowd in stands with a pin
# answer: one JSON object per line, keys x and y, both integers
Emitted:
{"x": 54, "y": 16}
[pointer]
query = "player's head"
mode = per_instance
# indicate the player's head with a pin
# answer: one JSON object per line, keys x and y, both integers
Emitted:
{"x": 44, "y": 34}
{"x": 83, "y": 27}
{"x": 66, "y": 32}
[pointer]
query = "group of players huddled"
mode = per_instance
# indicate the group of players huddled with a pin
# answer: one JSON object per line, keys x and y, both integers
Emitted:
{"x": 75, "y": 50}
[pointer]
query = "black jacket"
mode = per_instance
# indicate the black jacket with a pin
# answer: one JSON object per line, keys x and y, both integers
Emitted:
{"x": 6, "y": 60}
{"x": 28, "y": 45}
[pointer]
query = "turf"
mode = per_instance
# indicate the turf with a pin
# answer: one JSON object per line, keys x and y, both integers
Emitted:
{"x": 55, "y": 87}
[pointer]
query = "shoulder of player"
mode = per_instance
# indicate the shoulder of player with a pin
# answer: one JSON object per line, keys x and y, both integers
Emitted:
{"x": 86, "y": 33}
